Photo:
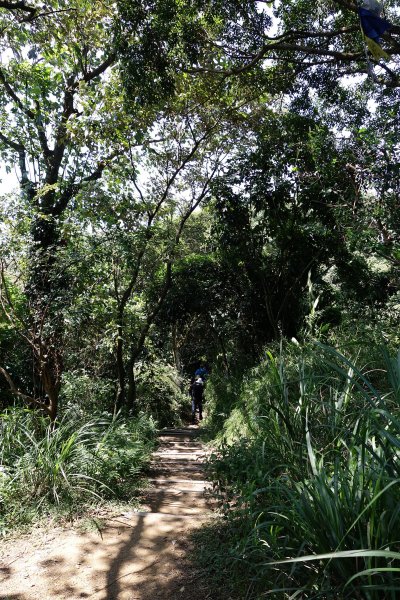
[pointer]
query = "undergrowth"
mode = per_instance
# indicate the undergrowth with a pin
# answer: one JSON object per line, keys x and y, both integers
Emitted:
{"x": 48, "y": 469}
{"x": 307, "y": 477}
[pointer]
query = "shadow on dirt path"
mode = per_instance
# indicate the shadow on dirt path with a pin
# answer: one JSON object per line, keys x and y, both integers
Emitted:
{"x": 136, "y": 556}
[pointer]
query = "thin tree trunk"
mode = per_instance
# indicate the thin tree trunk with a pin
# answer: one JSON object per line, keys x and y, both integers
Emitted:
{"x": 121, "y": 390}
{"x": 176, "y": 349}
{"x": 131, "y": 400}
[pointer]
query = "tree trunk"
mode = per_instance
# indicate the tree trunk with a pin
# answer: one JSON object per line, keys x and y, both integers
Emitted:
{"x": 176, "y": 348}
{"x": 121, "y": 391}
{"x": 131, "y": 400}
{"x": 46, "y": 289}
{"x": 52, "y": 389}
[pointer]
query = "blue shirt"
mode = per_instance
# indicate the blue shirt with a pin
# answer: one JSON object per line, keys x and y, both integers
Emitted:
{"x": 202, "y": 372}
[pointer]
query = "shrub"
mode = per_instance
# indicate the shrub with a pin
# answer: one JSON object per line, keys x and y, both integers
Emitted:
{"x": 91, "y": 394}
{"x": 308, "y": 466}
{"x": 161, "y": 393}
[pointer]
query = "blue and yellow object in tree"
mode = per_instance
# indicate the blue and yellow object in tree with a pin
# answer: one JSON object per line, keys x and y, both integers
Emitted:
{"x": 373, "y": 26}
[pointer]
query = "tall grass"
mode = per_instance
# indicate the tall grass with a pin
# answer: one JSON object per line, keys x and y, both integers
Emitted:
{"x": 308, "y": 466}
{"x": 74, "y": 463}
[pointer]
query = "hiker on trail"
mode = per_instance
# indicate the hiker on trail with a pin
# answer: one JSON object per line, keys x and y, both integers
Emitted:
{"x": 196, "y": 393}
{"x": 201, "y": 372}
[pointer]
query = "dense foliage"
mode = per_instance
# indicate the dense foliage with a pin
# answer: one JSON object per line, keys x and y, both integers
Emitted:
{"x": 307, "y": 475}
{"x": 203, "y": 182}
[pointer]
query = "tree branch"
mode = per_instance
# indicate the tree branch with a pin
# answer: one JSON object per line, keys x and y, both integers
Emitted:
{"x": 17, "y": 6}
{"x": 36, "y": 118}
{"x": 22, "y": 6}
{"x": 135, "y": 351}
{"x": 279, "y": 46}
{"x": 11, "y": 144}
{"x": 15, "y": 97}
{"x": 68, "y": 110}
{"x": 152, "y": 215}
{"x": 290, "y": 41}
{"x": 14, "y": 314}
{"x": 74, "y": 188}
{"x": 41, "y": 132}
{"x": 23, "y": 396}
{"x": 100, "y": 69}
{"x": 33, "y": 13}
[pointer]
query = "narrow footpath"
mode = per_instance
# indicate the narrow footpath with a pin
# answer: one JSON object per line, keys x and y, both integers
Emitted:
{"x": 136, "y": 555}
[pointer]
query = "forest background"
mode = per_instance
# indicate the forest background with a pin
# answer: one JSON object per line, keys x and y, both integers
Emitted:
{"x": 210, "y": 182}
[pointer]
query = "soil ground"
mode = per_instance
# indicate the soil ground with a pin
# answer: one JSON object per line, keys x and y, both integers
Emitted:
{"x": 136, "y": 555}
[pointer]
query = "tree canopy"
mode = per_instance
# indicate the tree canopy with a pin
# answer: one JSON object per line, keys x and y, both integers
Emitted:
{"x": 188, "y": 171}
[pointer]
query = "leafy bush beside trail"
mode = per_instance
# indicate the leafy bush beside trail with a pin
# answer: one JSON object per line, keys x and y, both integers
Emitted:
{"x": 70, "y": 465}
{"x": 308, "y": 465}
{"x": 159, "y": 392}
{"x": 158, "y": 389}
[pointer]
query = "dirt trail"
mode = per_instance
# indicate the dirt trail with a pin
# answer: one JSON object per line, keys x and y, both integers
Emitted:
{"x": 139, "y": 555}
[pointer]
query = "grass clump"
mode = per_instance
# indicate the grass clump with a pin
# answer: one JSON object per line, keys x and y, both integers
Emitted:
{"x": 63, "y": 467}
{"x": 307, "y": 477}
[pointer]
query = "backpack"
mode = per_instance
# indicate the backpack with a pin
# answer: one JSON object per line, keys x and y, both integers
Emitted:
{"x": 197, "y": 390}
